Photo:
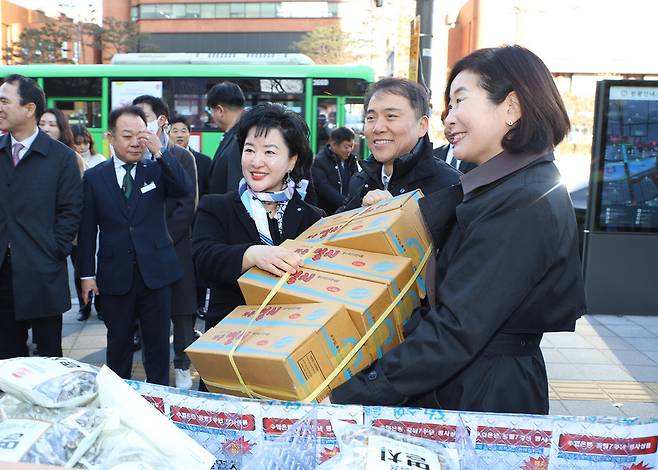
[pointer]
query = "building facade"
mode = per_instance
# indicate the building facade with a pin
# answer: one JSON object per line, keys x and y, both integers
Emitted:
{"x": 224, "y": 26}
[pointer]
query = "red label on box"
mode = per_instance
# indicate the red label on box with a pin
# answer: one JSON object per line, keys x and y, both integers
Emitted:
{"x": 435, "y": 432}
{"x": 608, "y": 445}
{"x": 209, "y": 419}
{"x": 514, "y": 437}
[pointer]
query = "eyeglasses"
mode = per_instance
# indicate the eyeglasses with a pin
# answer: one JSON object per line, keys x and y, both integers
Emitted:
{"x": 211, "y": 109}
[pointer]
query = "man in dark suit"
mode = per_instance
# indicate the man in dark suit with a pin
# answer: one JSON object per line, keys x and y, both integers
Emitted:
{"x": 333, "y": 168}
{"x": 226, "y": 104}
{"x": 180, "y": 215}
{"x": 40, "y": 207}
{"x": 125, "y": 199}
{"x": 179, "y": 132}
{"x": 444, "y": 153}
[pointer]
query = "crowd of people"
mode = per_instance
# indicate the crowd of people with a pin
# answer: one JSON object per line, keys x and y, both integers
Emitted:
{"x": 156, "y": 224}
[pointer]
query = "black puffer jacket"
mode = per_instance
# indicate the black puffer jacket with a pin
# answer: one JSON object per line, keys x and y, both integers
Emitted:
{"x": 332, "y": 190}
{"x": 418, "y": 169}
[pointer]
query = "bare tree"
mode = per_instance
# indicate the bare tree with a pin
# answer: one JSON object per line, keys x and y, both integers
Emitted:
{"x": 50, "y": 43}
{"x": 326, "y": 45}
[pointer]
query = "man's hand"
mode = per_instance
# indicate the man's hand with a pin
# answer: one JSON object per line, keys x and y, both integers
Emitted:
{"x": 373, "y": 197}
{"x": 87, "y": 286}
{"x": 273, "y": 259}
{"x": 151, "y": 141}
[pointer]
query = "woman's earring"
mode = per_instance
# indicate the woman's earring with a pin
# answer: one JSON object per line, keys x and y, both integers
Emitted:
{"x": 510, "y": 123}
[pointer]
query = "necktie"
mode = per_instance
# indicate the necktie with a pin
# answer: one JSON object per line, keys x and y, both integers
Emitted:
{"x": 15, "y": 154}
{"x": 454, "y": 163}
{"x": 128, "y": 180}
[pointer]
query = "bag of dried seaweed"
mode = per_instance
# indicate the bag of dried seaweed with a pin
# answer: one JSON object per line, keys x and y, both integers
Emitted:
{"x": 52, "y": 382}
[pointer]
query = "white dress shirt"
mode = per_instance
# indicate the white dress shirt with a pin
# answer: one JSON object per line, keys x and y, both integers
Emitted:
{"x": 26, "y": 143}
{"x": 121, "y": 171}
{"x": 385, "y": 179}
{"x": 450, "y": 157}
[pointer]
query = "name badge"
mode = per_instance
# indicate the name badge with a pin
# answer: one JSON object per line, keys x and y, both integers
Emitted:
{"x": 148, "y": 187}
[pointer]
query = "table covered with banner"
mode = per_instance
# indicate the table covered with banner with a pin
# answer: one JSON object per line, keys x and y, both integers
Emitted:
{"x": 237, "y": 430}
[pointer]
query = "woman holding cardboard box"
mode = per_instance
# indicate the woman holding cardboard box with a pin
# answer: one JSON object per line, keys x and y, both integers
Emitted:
{"x": 241, "y": 229}
{"x": 508, "y": 267}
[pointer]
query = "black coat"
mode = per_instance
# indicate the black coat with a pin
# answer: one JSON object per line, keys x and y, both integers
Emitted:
{"x": 332, "y": 191}
{"x": 180, "y": 215}
{"x": 415, "y": 170}
{"x": 203, "y": 163}
{"x": 508, "y": 270}
{"x": 226, "y": 168}
{"x": 442, "y": 153}
{"x": 222, "y": 233}
{"x": 40, "y": 210}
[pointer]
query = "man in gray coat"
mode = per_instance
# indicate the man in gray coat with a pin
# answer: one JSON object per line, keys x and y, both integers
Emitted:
{"x": 40, "y": 210}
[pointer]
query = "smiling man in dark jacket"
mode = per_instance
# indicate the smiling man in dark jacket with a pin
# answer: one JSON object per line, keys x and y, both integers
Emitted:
{"x": 396, "y": 125}
{"x": 333, "y": 168}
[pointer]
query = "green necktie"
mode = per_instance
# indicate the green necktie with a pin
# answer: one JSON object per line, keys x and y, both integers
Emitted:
{"x": 128, "y": 180}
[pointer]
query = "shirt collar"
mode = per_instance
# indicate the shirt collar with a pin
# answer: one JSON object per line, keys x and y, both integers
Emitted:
{"x": 385, "y": 178}
{"x": 118, "y": 163}
{"x": 500, "y": 166}
{"x": 26, "y": 143}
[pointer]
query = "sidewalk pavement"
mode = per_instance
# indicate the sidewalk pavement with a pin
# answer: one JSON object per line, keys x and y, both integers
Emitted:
{"x": 608, "y": 367}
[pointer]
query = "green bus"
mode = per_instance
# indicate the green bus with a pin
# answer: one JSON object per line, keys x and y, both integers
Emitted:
{"x": 326, "y": 95}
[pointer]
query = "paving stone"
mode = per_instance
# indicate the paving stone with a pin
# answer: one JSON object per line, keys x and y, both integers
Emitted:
{"x": 562, "y": 371}
{"x": 584, "y": 356}
{"x": 640, "y": 410}
{"x": 556, "y": 407}
{"x": 631, "y": 331}
{"x": 630, "y": 357}
{"x": 591, "y": 408}
{"x": 554, "y": 356}
{"x": 602, "y": 372}
{"x": 609, "y": 343}
{"x": 643, "y": 373}
{"x": 643, "y": 344}
{"x": 98, "y": 342}
{"x": 568, "y": 340}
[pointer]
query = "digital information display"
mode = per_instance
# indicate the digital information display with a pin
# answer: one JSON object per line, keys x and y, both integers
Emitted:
{"x": 628, "y": 191}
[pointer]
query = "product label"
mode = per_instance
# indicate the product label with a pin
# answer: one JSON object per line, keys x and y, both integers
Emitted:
{"x": 17, "y": 436}
{"x": 388, "y": 454}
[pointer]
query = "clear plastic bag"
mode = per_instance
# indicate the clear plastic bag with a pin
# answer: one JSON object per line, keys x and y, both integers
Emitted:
{"x": 34, "y": 434}
{"x": 368, "y": 447}
{"x": 52, "y": 382}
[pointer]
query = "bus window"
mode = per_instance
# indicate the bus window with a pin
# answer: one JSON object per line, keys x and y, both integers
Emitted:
{"x": 87, "y": 113}
{"x": 84, "y": 87}
{"x": 354, "y": 120}
{"x": 326, "y": 121}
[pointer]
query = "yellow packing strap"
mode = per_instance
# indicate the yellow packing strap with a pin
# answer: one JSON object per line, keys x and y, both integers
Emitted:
{"x": 244, "y": 388}
{"x": 339, "y": 368}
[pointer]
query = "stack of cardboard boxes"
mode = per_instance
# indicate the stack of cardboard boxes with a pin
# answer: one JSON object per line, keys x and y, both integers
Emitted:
{"x": 355, "y": 265}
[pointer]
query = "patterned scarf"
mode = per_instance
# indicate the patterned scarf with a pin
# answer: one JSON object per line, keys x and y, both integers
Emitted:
{"x": 253, "y": 202}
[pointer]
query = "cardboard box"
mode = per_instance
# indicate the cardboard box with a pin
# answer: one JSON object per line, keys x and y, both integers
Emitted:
{"x": 393, "y": 271}
{"x": 365, "y": 301}
{"x": 286, "y": 353}
{"x": 392, "y": 227}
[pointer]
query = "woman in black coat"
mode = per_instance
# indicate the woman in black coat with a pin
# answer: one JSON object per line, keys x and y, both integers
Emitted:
{"x": 241, "y": 229}
{"x": 508, "y": 267}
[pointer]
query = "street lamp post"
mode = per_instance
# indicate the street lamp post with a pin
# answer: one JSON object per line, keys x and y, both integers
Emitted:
{"x": 425, "y": 9}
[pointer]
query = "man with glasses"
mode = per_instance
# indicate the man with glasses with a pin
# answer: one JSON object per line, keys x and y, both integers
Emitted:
{"x": 225, "y": 105}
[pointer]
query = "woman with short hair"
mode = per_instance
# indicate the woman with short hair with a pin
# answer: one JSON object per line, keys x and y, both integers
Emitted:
{"x": 508, "y": 268}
